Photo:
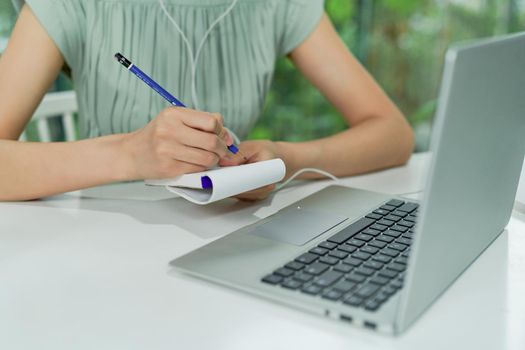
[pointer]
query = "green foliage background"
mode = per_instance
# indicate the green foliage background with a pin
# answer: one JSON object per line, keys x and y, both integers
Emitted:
{"x": 401, "y": 42}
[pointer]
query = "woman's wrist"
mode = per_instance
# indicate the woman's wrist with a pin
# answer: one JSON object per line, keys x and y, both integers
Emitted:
{"x": 298, "y": 155}
{"x": 120, "y": 157}
{"x": 288, "y": 152}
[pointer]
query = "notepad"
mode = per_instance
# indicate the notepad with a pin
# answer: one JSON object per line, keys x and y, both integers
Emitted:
{"x": 213, "y": 185}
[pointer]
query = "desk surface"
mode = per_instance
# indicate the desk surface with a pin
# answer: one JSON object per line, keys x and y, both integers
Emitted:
{"x": 89, "y": 270}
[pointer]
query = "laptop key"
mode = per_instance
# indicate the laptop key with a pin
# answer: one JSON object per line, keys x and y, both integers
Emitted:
{"x": 376, "y": 265}
{"x": 353, "y": 300}
{"x": 355, "y": 278}
{"x": 318, "y": 251}
{"x": 389, "y": 290}
{"x": 399, "y": 213}
{"x": 338, "y": 254}
{"x": 387, "y": 207}
{"x": 399, "y": 228}
{"x": 367, "y": 290}
{"x": 398, "y": 246}
{"x": 369, "y": 249}
{"x": 291, "y": 284}
{"x": 395, "y": 202}
{"x": 401, "y": 260}
{"x": 343, "y": 268}
{"x": 328, "y": 278}
{"x": 302, "y": 277}
{"x": 332, "y": 294}
{"x": 385, "y": 238}
{"x": 408, "y": 207}
{"x": 364, "y": 237}
{"x": 393, "y": 233}
{"x": 404, "y": 240}
{"x": 347, "y": 248}
{"x": 306, "y": 258}
{"x": 408, "y": 234}
{"x": 312, "y": 289}
{"x": 379, "y": 280}
{"x": 294, "y": 265}
{"x": 284, "y": 272}
{"x": 361, "y": 255}
{"x": 393, "y": 218}
{"x": 352, "y": 261}
{"x": 390, "y": 252}
{"x": 272, "y": 279}
{"x": 344, "y": 286}
{"x": 371, "y": 232}
{"x": 382, "y": 258}
{"x": 396, "y": 267}
{"x": 356, "y": 242}
{"x": 327, "y": 245}
{"x": 351, "y": 230}
{"x": 396, "y": 284}
{"x": 406, "y": 223}
{"x": 374, "y": 216}
{"x": 385, "y": 222}
{"x": 330, "y": 260}
{"x": 381, "y": 212}
{"x": 388, "y": 274}
{"x": 366, "y": 271}
{"x": 379, "y": 227}
{"x": 372, "y": 305}
{"x": 316, "y": 268}
{"x": 377, "y": 244}
{"x": 381, "y": 297}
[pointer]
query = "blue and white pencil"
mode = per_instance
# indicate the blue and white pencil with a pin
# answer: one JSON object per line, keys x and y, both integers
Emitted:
{"x": 159, "y": 89}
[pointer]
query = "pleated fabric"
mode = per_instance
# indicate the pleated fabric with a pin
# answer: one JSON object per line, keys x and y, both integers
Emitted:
{"x": 234, "y": 72}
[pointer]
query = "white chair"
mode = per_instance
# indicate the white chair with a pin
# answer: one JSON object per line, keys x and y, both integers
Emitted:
{"x": 61, "y": 104}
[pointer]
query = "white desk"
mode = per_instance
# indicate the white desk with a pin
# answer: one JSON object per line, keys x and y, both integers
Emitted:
{"x": 92, "y": 273}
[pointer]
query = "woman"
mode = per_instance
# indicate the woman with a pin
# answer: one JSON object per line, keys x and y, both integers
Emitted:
{"x": 217, "y": 54}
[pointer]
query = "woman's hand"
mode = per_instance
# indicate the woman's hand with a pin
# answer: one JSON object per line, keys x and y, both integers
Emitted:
{"x": 176, "y": 142}
{"x": 254, "y": 151}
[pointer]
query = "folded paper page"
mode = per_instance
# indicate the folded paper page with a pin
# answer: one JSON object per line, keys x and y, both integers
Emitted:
{"x": 216, "y": 184}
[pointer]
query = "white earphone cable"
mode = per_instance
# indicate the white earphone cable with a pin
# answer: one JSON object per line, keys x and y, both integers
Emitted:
{"x": 307, "y": 170}
{"x": 193, "y": 63}
{"x": 195, "y": 58}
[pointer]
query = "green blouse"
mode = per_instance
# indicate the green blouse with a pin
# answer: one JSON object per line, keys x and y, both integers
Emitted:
{"x": 233, "y": 74}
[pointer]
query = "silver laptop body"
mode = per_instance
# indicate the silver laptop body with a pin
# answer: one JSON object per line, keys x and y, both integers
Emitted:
{"x": 478, "y": 145}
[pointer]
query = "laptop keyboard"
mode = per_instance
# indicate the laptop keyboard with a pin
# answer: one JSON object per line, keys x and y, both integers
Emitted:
{"x": 363, "y": 265}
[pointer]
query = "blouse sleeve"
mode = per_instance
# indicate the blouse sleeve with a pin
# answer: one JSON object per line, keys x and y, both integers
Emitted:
{"x": 65, "y": 22}
{"x": 300, "y": 19}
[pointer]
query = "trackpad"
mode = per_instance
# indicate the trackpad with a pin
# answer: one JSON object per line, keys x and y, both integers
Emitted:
{"x": 296, "y": 225}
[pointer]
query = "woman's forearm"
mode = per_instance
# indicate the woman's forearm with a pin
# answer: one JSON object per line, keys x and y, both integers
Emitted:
{"x": 176, "y": 142}
{"x": 30, "y": 170}
{"x": 374, "y": 144}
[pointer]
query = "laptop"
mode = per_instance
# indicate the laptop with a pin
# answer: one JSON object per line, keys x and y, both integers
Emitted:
{"x": 379, "y": 262}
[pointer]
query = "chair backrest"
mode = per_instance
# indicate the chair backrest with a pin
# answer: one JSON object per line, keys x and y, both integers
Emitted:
{"x": 56, "y": 104}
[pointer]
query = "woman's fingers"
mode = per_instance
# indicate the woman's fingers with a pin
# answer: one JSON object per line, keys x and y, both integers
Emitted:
{"x": 195, "y": 129}
{"x": 195, "y": 156}
{"x": 232, "y": 160}
{"x": 198, "y": 139}
{"x": 209, "y": 122}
